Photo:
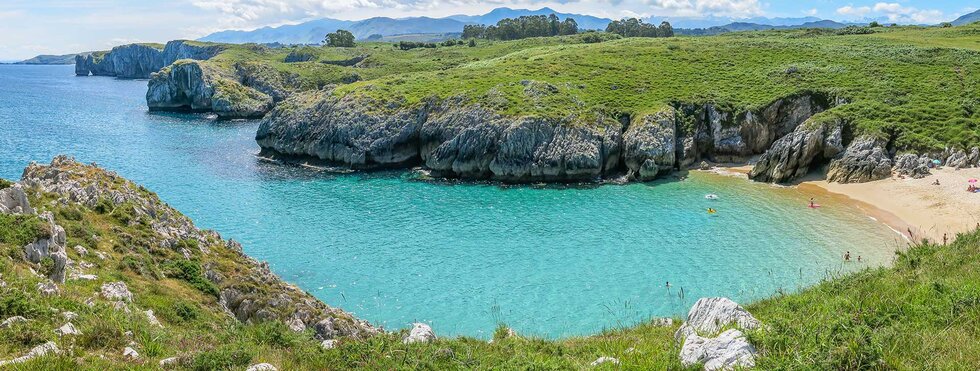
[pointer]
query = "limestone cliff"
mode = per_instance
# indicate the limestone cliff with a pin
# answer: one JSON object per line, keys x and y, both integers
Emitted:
{"x": 138, "y": 61}
{"x": 196, "y": 86}
{"x": 458, "y": 138}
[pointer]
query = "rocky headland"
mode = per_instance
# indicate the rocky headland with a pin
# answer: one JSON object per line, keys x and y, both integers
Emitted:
{"x": 457, "y": 138}
{"x": 138, "y": 61}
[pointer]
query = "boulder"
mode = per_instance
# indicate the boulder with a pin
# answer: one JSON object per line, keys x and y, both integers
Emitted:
{"x": 69, "y": 316}
{"x": 727, "y": 351}
{"x": 67, "y": 329}
{"x": 116, "y": 291}
{"x": 702, "y": 343}
{"x": 792, "y": 156}
{"x": 420, "y": 333}
{"x": 13, "y": 200}
{"x": 328, "y": 344}
{"x": 38, "y": 351}
{"x": 169, "y": 362}
{"x": 864, "y": 160}
{"x": 81, "y": 251}
{"x": 912, "y": 166}
{"x": 47, "y": 289}
{"x": 131, "y": 353}
{"x": 959, "y": 160}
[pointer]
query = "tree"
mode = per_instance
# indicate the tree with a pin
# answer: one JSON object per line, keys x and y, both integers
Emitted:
{"x": 472, "y": 43}
{"x": 874, "y": 24}
{"x": 340, "y": 39}
{"x": 666, "y": 30}
{"x": 568, "y": 27}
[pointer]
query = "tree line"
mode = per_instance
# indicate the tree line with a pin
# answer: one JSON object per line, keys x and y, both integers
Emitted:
{"x": 522, "y": 27}
{"x": 632, "y": 27}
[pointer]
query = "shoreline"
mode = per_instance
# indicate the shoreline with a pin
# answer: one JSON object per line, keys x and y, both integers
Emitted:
{"x": 902, "y": 203}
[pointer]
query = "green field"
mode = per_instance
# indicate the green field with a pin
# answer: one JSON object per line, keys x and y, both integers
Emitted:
{"x": 917, "y": 86}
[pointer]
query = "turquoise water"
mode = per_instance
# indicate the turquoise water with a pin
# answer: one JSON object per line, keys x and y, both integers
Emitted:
{"x": 549, "y": 261}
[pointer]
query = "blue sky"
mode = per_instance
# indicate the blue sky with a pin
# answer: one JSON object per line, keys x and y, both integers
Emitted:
{"x": 31, "y": 27}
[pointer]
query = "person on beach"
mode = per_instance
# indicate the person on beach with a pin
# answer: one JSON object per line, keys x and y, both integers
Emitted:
{"x": 847, "y": 256}
{"x": 811, "y": 202}
{"x": 936, "y": 182}
{"x": 944, "y": 239}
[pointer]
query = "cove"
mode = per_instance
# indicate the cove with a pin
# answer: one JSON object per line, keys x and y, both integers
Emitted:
{"x": 551, "y": 261}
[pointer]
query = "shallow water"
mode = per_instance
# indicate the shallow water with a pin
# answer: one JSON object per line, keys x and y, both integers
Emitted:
{"x": 549, "y": 261}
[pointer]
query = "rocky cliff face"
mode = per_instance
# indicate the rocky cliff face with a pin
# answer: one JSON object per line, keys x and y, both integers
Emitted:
{"x": 195, "y": 86}
{"x": 453, "y": 138}
{"x": 138, "y": 61}
{"x": 793, "y": 155}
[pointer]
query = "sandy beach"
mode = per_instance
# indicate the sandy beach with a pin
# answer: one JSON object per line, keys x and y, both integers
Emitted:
{"x": 929, "y": 210}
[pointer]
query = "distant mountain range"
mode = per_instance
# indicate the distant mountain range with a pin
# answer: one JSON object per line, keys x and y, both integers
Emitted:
{"x": 313, "y": 32}
{"x": 437, "y": 29}
{"x": 967, "y": 19}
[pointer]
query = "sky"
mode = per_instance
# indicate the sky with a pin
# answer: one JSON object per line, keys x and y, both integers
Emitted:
{"x": 32, "y": 27}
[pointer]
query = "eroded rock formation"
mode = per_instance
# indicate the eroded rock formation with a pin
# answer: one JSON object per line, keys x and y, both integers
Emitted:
{"x": 703, "y": 340}
{"x": 459, "y": 138}
{"x": 138, "y": 61}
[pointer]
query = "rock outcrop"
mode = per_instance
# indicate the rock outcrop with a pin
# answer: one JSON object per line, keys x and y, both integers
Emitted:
{"x": 912, "y": 166}
{"x": 864, "y": 160}
{"x": 38, "y": 351}
{"x": 702, "y": 342}
{"x": 194, "y": 86}
{"x": 13, "y": 200}
{"x": 420, "y": 333}
{"x": 792, "y": 156}
{"x": 246, "y": 288}
{"x": 138, "y": 61}
{"x": 650, "y": 145}
{"x": 461, "y": 139}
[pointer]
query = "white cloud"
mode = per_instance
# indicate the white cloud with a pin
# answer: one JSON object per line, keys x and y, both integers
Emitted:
{"x": 895, "y": 12}
{"x": 852, "y": 11}
{"x": 812, "y": 12}
{"x": 700, "y": 8}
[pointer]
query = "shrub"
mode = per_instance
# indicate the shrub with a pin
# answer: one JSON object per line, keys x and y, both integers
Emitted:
{"x": 472, "y": 43}
{"x": 46, "y": 266}
{"x": 27, "y": 334}
{"x": 19, "y": 230}
{"x": 5, "y": 183}
{"x": 232, "y": 356}
{"x": 103, "y": 332}
{"x": 185, "y": 312}
{"x": 190, "y": 271}
{"x": 304, "y": 54}
{"x": 274, "y": 334}
{"x": 17, "y": 303}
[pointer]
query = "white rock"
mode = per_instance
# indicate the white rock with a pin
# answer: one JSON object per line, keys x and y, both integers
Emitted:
{"x": 86, "y": 277}
{"x": 152, "y": 318}
{"x": 130, "y": 353}
{"x": 725, "y": 352}
{"x": 172, "y": 361}
{"x": 602, "y": 360}
{"x": 116, "y": 291}
{"x": 296, "y": 325}
{"x": 663, "y": 322}
{"x": 328, "y": 344}
{"x": 81, "y": 250}
{"x": 85, "y": 265}
{"x": 420, "y": 333}
{"x": 69, "y": 315}
{"x": 101, "y": 255}
{"x": 261, "y": 367}
{"x": 120, "y": 306}
{"x": 67, "y": 329}
{"x": 40, "y": 350}
{"x": 703, "y": 344}
{"x": 12, "y": 321}
{"x": 710, "y": 315}
{"x": 47, "y": 289}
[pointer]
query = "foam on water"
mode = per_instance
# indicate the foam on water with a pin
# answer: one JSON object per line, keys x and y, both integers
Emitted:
{"x": 547, "y": 260}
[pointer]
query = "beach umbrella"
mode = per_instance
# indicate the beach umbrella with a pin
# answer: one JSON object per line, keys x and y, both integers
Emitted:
{"x": 972, "y": 180}
{"x": 937, "y": 162}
